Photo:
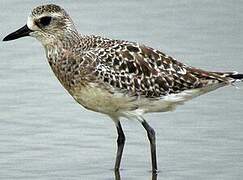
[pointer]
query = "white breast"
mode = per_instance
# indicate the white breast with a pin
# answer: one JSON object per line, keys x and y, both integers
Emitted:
{"x": 103, "y": 101}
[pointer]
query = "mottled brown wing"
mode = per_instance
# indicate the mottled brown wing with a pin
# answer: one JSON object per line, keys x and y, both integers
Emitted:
{"x": 141, "y": 70}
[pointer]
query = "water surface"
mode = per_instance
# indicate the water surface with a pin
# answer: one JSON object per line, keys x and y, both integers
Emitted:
{"x": 45, "y": 134}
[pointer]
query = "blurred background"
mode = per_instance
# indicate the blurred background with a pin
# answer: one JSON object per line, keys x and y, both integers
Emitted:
{"x": 45, "y": 134}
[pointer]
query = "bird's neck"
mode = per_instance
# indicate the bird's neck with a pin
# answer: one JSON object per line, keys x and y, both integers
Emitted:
{"x": 61, "y": 54}
{"x": 58, "y": 45}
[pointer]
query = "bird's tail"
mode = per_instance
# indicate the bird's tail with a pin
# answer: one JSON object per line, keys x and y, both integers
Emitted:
{"x": 234, "y": 76}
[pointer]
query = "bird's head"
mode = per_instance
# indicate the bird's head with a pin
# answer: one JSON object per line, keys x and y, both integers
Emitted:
{"x": 46, "y": 23}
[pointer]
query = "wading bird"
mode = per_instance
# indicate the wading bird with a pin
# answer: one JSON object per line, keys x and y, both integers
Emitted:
{"x": 115, "y": 77}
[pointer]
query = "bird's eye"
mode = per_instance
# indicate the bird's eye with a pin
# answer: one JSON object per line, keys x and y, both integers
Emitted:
{"x": 45, "y": 21}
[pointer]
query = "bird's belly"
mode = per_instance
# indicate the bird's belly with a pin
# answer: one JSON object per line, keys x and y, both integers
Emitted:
{"x": 103, "y": 101}
{"x": 117, "y": 104}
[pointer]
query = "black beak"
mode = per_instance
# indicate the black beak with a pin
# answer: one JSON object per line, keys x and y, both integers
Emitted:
{"x": 24, "y": 31}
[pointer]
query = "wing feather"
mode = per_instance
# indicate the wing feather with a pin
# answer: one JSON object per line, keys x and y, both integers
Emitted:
{"x": 143, "y": 71}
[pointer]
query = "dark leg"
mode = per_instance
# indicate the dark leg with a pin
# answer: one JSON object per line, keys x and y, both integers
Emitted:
{"x": 120, "y": 145}
{"x": 151, "y": 137}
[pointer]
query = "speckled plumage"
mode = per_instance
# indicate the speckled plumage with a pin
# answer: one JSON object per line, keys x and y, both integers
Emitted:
{"x": 115, "y": 77}
{"x": 129, "y": 69}
{"x": 140, "y": 78}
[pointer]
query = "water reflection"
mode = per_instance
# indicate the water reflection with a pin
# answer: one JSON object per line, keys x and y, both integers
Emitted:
{"x": 118, "y": 176}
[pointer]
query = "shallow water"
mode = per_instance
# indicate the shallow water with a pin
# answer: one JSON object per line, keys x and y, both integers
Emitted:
{"x": 44, "y": 134}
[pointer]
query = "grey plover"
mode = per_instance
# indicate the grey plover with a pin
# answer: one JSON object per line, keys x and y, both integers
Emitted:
{"x": 115, "y": 77}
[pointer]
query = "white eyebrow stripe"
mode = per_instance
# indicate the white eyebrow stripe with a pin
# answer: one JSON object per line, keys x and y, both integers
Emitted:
{"x": 31, "y": 24}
